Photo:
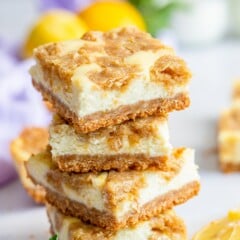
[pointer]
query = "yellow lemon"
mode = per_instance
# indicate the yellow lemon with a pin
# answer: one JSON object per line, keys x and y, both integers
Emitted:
{"x": 227, "y": 228}
{"x": 234, "y": 215}
{"x": 53, "y": 26}
{"x": 106, "y": 15}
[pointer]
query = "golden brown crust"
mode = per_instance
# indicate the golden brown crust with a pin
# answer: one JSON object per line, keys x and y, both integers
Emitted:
{"x": 30, "y": 141}
{"x": 230, "y": 167}
{"x": 92, "y": 122}
{"x": 108, "y": 221}
{"x": 120, "y": 162}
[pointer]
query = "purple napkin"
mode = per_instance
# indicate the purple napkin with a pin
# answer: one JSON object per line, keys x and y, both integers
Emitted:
{"x": 72, "y": 5}
{"x": 20, "y": 106}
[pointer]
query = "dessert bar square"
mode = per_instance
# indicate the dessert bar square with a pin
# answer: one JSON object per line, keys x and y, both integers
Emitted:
{"x": 31, "y": 140}
{"x": 104, "y": 79}
{"x": 167, "y": 226}
{"x": 137, "y": 145}
{"x": 229, "y": 138}
{"x": 113, "y": 199}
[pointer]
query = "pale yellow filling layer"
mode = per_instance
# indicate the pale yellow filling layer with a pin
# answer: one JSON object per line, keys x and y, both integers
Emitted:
{"x": 64, "y": 141}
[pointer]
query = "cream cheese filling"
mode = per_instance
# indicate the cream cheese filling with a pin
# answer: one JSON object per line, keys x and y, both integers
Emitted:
{"x": 64, "y": 141}
{"x": 156, "y": 185}
{"x": 62, "y": 230}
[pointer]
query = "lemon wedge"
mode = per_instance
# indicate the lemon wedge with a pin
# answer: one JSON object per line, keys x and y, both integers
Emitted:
{"x": 227, "y": 228}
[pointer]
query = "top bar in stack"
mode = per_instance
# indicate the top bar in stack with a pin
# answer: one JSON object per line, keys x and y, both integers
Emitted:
{"x": 104, "y": 79}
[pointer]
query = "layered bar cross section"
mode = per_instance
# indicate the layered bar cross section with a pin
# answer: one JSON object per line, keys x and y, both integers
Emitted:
{"x": 104, "y": 79}
{"x": 113, "y": 199}
{"x": 167, "y": 226}
{"x": 134, "y": 145}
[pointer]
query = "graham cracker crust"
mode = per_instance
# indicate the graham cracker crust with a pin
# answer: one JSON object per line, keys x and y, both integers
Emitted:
{"x": 230, "y": 167}
{"x": 120, "y": 162}
{"x": 92, "y": 122}
{"x": 107, "y": 220}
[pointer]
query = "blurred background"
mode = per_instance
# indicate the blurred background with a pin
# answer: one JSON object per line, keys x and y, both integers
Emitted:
{"x": 192, "y": 23}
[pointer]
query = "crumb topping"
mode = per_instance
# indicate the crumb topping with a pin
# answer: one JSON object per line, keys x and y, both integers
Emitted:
{"x": 32, "y": 140}
{"x": 109, "y": 51}
{"x": 114, "y": 74}
{"x": 170, "y": 71}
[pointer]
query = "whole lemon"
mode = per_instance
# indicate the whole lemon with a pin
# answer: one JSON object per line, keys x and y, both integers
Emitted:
{"x": 53, "y": 26}
{"x": 106, "y": 15}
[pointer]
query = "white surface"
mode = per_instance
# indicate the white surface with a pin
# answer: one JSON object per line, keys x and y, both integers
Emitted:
{"x": 14, "y": 24}
{"x": 213, "y": 69}
{"x": 203, "y": 23}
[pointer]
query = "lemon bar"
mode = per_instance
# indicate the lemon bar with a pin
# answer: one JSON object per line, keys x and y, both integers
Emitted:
{"x": 236, "y": 90}
{"x": 167, "y": 226}
{"x": 31, "y": 140}
{"x": 229, "y": 138}
{"x": 104, "y": 79}
{"x": 113, "y": 199}
{"x": 137, "y": 145}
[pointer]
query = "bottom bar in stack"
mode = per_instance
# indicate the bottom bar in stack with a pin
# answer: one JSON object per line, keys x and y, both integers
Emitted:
{"x": 114, "y": 200}
{"x": 166, "y": 226}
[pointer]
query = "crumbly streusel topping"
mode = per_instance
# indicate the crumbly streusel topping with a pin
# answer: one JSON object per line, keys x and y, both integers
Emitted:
{"x": 108, "y": 54}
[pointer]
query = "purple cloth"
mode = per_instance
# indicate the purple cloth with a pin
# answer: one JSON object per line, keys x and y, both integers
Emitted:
{"x": 20, "y": 106}
{"x": 72, "y": 5}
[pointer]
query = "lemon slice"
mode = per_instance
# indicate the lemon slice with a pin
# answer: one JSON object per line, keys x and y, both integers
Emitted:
{"x": 227, "y": 228}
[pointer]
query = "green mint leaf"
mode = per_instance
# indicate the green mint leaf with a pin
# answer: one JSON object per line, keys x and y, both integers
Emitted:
{"x": 157, "y": 14}
{"x": 55, "y": 237}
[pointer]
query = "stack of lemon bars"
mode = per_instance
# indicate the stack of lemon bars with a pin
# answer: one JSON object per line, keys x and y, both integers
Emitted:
{"x": 109, "y": 170}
